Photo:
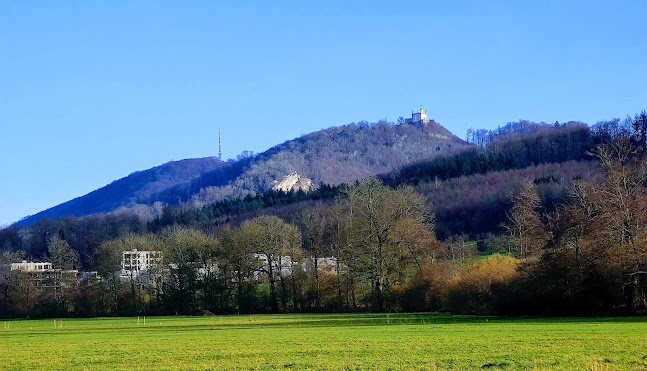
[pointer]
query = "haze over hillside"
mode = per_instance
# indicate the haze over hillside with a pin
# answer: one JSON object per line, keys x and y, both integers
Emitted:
{"x": 331, "y": 156}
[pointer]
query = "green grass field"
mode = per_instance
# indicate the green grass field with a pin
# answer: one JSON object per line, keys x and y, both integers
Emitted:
{"x": 347, "y": 341}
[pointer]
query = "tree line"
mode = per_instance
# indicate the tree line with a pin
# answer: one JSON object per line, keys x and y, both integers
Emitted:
{"x": 567, "y": 240}
{"x": 344, "y": 255}
{"x": 550, "y": 145}
{"x": 374, "y": 248}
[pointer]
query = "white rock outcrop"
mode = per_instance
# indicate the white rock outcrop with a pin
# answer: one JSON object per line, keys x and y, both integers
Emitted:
{"x": 293, "y": 182}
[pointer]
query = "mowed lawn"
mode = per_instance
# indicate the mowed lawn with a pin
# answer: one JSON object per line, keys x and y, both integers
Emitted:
{"x": 347, "y": 341}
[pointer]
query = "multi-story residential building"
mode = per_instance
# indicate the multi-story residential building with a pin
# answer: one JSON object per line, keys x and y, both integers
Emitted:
{"x": 43, "y": 274}
{"x": 136, "y": 262}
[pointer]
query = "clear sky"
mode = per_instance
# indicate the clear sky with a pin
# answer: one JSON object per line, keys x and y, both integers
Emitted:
{"x": 91, "y": 91}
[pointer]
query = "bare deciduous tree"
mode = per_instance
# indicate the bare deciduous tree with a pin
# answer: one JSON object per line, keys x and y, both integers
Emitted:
{"x": 373, "y": 214}
{"x": 526, "y": 229}
{"x": 269, "y": 237}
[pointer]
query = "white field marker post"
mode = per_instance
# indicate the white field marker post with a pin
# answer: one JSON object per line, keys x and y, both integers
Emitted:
{"x": 54, "y": 323}
{"x": 138, "y": 320}
{"x": 144, "y": 319}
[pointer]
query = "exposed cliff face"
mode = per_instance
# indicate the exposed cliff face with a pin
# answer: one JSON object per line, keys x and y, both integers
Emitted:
{"x": 293, "y": 182}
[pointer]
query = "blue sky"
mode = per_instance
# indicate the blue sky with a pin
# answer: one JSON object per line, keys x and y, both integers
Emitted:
{"x": 91, "y": 91}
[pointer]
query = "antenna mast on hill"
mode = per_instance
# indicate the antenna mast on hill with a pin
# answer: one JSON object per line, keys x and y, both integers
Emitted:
{"x": 219, "y": 147}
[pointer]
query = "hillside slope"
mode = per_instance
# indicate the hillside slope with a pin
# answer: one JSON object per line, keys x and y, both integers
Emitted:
{"x": 471, "y": 205}
{"x": 337, "y": 155}
{"x": 137, "y": 187}
{"x": 331, "y": 156}
{"x": 553, "y": 156}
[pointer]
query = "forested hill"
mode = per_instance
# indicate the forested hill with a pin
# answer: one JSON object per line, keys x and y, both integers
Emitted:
{"x": 467, "y": 187}
{"x": 468, "y": 190}
{"x": 138, "y": 187}
{"x": 331, "y": 156}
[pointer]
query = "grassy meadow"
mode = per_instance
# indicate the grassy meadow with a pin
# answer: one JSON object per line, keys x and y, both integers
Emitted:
{"x": 345, "y": 341}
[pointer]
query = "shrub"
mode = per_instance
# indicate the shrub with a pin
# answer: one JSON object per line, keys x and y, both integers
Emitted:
{"x": 470, "y": 291}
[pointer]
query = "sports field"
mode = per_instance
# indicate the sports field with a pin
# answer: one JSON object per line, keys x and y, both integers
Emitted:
{"x": 347, "y": 341}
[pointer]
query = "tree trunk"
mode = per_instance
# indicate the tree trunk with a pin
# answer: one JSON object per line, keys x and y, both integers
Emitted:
{"x": 273, "y": 298}
{"x": 284, "y": 293}
{"x": 378, "y": 295}
{"x": 294, "y": 291}
{"x": 338, "y": 280}
{"x": 317, "y": 288}
{"x": 240, "y": 289}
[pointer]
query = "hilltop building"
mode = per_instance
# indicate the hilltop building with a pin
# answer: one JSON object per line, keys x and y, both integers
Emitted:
{"x": 418, "y": 118}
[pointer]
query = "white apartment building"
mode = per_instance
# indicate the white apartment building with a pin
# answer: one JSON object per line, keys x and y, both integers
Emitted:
{"x": 285, "y": 267}
{"x": 328, "y": 265}
{"x": 42, "y": 274}
{"x": 136, "y": 262}
{"x": 26, "y": 266}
